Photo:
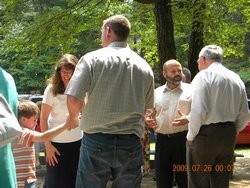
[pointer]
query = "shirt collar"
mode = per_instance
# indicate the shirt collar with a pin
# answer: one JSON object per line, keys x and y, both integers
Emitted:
{"x": 166, "y": 88}
{"x": 118, "y": 44}
{"x": 215, "y": 64}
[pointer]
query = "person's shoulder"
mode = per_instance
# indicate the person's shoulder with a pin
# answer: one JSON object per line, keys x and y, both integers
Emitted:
{"x": 95, "y": 54}
{"x": 27, "y": 133}
{"x": 6, "y": 75}
{"x": 160, "y": 88}
{"x": 22, "y": 135}
{"x": 48, "y": 88}
{"x": 186, "y": 85}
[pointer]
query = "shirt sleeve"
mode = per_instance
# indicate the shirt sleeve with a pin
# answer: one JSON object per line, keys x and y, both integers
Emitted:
{"x": 199, "y": 106}
{"x": 244, "y": 114}
{"x": 150, "y": 95}
{"x": 48, "y": 96}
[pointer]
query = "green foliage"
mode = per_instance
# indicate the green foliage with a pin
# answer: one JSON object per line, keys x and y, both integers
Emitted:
{"x": 225, "y": 25}
{"x": 241, "y": 67}
{"x": 34, "y": 33}
{"x": 182, "y": 22}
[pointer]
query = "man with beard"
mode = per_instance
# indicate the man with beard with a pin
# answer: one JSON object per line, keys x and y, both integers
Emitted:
{"x": 170, "y": 157}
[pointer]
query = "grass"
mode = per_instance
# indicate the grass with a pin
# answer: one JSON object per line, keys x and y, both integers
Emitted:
{"x": 243, "y": 149}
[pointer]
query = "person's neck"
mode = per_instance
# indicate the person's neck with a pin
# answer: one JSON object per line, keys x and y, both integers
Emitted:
{"x": 171, "y": 86}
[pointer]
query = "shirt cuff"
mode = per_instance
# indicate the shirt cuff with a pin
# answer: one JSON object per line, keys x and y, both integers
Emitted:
{"x": 189, "y": 136}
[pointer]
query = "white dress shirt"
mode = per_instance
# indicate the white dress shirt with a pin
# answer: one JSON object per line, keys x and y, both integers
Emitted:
{"x": 219, "y": 95}
{"x": 167, "y": 102}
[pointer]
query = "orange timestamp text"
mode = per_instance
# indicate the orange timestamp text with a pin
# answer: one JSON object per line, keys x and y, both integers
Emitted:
{"x": 203, "y": 168}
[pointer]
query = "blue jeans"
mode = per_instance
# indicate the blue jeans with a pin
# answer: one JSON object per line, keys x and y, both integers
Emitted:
{"x": 105, "y": 155}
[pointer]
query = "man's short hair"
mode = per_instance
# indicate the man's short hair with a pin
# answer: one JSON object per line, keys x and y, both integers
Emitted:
{"x": 119, "y": 24}
{"x": 212, "y": 52}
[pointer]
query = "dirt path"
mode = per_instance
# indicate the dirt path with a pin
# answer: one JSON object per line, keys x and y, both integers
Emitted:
{"x": 240, "y": 179}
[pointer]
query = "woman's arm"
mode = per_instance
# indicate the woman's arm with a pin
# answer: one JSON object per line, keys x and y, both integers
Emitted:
{"x": 51, "y": 151}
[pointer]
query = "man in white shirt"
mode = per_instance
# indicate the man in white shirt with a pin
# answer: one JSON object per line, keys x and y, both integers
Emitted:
{"x": 219, "y": 111}
{"x": 170, "y": 154}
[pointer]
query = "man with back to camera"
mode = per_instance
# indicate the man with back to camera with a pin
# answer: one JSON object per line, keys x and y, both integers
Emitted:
{"x": 120, "y": 87}
{"x": 219, "y": 111}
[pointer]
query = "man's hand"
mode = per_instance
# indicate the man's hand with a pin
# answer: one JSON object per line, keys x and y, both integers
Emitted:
{"x": 150, "y": 119}
{"x": 182, "y": 120}
{"x": 72, "y": 122}
{"x": 189, "y": 142}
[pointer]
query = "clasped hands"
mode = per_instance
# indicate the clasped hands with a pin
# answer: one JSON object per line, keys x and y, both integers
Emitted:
{"x": 72, "y": 122}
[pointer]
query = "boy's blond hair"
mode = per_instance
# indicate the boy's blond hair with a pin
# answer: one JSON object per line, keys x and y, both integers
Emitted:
{"x": 27, "y": 109}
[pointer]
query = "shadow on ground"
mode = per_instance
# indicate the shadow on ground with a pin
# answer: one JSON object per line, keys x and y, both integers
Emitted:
{"x": 240, "y": 179}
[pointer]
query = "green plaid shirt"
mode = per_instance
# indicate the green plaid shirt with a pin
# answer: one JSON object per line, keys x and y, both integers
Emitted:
{"x": 120, "y": 87}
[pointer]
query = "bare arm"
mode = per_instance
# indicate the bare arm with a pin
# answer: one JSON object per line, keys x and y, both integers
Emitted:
{"x": 74, "y": 107}
{"x": 51, "y": 151}
{"x": 49, "y": 134}
{"x": 45, "y": 111}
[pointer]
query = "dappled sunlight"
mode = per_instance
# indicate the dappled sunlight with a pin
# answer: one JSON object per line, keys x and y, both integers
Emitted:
{"x": 241, "y": 175}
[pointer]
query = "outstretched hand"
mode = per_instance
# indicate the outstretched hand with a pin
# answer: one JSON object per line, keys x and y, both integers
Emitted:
{"x": 182, "y": 120}
{"x": 150, "y": 119}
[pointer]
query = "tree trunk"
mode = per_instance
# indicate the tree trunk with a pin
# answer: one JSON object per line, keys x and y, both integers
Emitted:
{"x": 196, "y": 38}
{"x": 165, "y": 33}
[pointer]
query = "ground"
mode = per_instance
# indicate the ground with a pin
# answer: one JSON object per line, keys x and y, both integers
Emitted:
{"x": 240, "y": 179}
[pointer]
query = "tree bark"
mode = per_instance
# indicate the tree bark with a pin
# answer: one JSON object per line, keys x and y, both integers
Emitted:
{"x": 165, "y": 33}
{"x": 196, "y": 38}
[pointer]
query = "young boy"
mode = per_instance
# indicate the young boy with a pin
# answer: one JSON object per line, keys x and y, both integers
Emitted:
{"x": 23, "y": 149}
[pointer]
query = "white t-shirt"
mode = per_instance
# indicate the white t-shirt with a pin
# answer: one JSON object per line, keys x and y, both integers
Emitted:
{"x": 58, "y": 116}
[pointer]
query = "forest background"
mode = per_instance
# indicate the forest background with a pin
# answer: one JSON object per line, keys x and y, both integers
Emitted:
{"x": 35, "y": 33}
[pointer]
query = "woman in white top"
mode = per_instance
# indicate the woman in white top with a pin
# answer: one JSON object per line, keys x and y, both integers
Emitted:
{"x": 62, "y": 153}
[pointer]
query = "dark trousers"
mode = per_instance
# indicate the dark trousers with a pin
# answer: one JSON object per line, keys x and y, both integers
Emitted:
{"x": 63, "y": 174}
{"x": 170, "y": 160}
{"x": 210, "y": 156}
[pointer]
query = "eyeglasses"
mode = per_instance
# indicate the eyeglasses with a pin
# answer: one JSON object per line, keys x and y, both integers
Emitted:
{"x": 66, "y": 72}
